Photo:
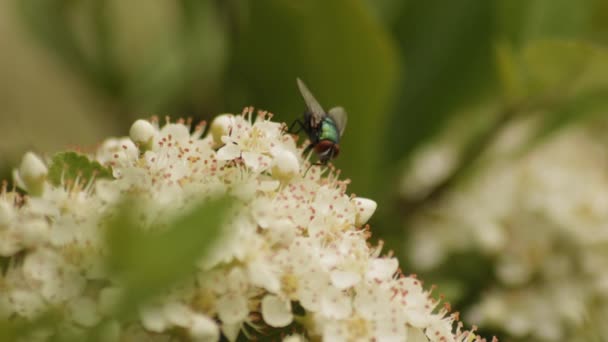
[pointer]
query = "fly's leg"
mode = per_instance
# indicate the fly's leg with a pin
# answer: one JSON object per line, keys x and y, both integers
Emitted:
{"x": 299, "y": 128}
{"x": 308, "y": 148}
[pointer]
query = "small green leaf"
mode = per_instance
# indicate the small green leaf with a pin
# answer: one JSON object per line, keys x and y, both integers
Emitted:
{"x": 71, "y": 166}
{"x": 149, "y": 263}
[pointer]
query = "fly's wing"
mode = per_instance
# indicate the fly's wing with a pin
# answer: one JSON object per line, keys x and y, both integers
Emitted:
{"x": 338, "y": 114}
{"x": 313, "y": 105}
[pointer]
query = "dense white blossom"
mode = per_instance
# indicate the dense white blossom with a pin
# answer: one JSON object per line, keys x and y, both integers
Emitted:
{"x": 295, "y": 253}
{"x": 542, "y": 220}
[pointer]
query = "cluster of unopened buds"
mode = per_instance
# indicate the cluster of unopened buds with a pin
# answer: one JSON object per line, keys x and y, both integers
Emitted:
{"x": 293, "y": 256}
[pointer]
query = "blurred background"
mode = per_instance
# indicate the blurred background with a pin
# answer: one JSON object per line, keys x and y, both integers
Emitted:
{"x": 438, "y": 93}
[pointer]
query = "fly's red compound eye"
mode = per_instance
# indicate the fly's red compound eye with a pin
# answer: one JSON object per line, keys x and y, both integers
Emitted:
{"x": 336, "y": 150}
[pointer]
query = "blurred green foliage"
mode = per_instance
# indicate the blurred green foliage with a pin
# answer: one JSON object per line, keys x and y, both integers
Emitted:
{"x": 148, "y": 263}
{"x": 402, "y": 69}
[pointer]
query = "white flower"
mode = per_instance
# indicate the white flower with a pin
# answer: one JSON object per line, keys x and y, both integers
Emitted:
{"x": 294, "y": 236}
{"x": 539, "y": 218}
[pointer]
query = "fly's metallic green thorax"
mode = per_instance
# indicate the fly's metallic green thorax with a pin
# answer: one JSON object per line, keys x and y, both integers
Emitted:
{"x": 329, "y": 131}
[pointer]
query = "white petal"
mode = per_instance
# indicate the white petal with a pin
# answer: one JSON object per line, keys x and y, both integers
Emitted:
{"x": 231, "y": 331}
{"x": 229, "y": 151}
{"x": 251, "y": 160}
{"x": 26, "y": 303}
{"x": 381, "y": 268}
{"x": 276, "y": 312}
{"x": 344, "y": 279}
{"x": 365, "y": 209}
{"x": 372, "y": 301}
{"x": 417, "y": 319}
{"x": 309, "y": 290}
{"x": 261, "y": 274}
{"x": 204, "y": 329}
{"x": 335, "y": 304}
{"x": 294, "y": 338}
{"x": 59, "y": 281}
{"x": 10, "y": 242}
{"x": 232, "y": 308}
{"x": 34, "y": 232}
{"x": 178, "y": 314}
{"x": 336, "y": 331}
{"x": 269, "y": 185}
{"x": 178, "y": 132}
{"x": 390, "y": 331}
{"x": 416, "y": 335}
{"x": 7, "y": 214}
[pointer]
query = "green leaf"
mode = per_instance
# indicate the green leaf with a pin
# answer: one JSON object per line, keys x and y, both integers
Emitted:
{"x": 345, "y": 56}
{"x": 71, "y": 166}
{"x": 148, "y": 263}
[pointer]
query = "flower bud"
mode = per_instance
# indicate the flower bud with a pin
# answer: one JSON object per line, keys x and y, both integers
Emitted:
{"x": 365, "y": 209}
{"x": 276, "y": 312}
{"x": 285, "y": 165}
{"x": 142, "y": 133}
{"x": 220, "y": 127}
{"x": 32, "y": 173}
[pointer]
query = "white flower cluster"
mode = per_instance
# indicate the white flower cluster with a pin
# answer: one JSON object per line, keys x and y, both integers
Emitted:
{"x": 294, "y": 256}
{"x": 543, "y": 221}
